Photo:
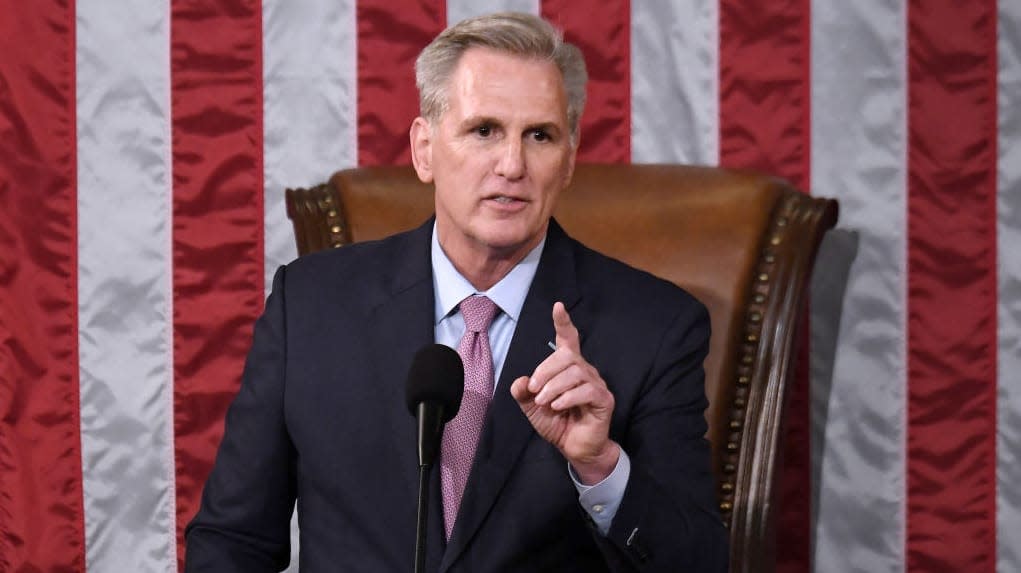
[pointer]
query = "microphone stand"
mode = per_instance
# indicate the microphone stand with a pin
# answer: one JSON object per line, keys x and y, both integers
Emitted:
{"x": 430, "y": 425}
{"x": 423, "y": 518}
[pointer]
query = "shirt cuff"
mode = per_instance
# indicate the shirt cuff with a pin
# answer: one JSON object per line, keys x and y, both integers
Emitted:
{"x": 601, "y": 500}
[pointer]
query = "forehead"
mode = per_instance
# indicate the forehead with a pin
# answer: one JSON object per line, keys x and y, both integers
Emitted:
{"x": 488, "y": 82}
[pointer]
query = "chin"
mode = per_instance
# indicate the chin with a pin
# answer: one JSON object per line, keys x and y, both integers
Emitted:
{"x": 510, "y": 244}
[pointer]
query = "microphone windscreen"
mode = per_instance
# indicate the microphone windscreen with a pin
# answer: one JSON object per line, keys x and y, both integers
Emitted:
{"x": 436, "y": 375}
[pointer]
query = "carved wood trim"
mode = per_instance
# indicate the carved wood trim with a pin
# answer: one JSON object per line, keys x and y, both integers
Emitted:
{"x": 750, "y": 468}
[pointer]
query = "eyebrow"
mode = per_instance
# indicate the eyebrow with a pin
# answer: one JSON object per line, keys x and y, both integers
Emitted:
{"x": 473, "y": 120}
{"x": 545, "y": 126}
{"x": 478, "y": 119}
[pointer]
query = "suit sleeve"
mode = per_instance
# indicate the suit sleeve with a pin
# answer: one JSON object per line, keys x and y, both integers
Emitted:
{"x": 243, "y": 523}
{"x": 667, "y": 519}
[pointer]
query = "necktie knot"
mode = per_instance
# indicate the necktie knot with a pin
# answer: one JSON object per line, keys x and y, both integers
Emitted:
{"x": 478, "y": 312}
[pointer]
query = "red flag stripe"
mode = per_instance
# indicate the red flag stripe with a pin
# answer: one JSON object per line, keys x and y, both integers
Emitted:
{"x": 391, "y": 33}
{"x": 765, "y": 115}
{"x": 952, "y": 286}
{"x": 606, "y": 43}
{"x": 41, "y": 509}
{"x": 216, "y": 85}
{"x": 764, "y": 87}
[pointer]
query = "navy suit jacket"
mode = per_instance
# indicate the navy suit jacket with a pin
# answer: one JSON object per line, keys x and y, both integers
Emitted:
{"x": 321, "y": 418}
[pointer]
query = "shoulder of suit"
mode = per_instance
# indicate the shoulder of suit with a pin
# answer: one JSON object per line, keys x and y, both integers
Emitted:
{"x": 599, "y": 272}
{"x": 365, "y": 261}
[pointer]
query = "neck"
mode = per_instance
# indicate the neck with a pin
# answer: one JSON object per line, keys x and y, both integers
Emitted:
{"x": 485, "y": 271}
{"x": 485, "y": 266}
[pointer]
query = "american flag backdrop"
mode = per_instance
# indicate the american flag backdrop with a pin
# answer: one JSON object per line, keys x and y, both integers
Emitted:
{"x": 145, "y": 146}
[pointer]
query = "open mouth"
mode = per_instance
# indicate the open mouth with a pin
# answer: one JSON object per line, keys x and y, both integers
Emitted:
{"x": 506, "y": 199}
{"x": 506, "y": 204}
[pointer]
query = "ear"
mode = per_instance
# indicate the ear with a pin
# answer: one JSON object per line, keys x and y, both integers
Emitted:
{"x": 421, "y": 149}
{"x": 571, "y": 159}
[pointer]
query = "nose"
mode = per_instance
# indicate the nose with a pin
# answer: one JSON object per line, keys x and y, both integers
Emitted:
{"x": 511, "y": 164}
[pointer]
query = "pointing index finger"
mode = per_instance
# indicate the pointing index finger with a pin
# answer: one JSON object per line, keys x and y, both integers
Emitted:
{"x": 567, "y": 334}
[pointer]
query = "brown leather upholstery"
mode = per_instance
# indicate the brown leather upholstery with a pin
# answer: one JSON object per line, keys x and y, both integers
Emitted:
{"x": 742, "y": 243}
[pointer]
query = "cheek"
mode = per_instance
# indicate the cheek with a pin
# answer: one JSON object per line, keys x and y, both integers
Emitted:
{"x": 554, "y": 181}
{"x": 551, "y": 166}
{"x": 469, "y": 168}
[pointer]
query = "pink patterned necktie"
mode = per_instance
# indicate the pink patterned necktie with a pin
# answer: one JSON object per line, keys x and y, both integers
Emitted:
{"x": 461, "y": 435}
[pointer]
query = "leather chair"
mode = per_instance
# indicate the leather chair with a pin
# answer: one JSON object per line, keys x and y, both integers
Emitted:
{"x": 743, "y": 243}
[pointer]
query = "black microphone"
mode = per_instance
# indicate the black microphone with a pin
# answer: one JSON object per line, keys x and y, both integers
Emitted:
{"x": 433, "y": 394}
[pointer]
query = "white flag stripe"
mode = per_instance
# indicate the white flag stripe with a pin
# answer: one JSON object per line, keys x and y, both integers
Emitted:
{"x": 1008, "y": 445}
{"x": 124, "y": 282}
{"x": 309, "y": 106}
{"x": 458, "y": 10}
{"x": 674, "y": 82}
{"x": 309, "y": 116}
{"x": 859, "y": 98}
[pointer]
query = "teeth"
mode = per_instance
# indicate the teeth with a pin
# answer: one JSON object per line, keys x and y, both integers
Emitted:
{"x": 503, "y": 199}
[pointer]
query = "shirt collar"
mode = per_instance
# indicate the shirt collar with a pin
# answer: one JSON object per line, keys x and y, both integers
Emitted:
{"x": 509, "y": 293}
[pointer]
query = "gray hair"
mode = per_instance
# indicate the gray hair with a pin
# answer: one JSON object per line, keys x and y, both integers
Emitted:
{"x": 510, "y": 32}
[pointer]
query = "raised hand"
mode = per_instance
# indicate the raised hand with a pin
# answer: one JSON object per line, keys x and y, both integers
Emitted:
{"x": 568, "y": 404}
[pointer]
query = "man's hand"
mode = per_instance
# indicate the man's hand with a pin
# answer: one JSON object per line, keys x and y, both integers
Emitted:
{"x": 569, "y": 405}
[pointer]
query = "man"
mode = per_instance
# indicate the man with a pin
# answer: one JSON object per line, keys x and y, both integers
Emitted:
{"x": 585, "y": 457}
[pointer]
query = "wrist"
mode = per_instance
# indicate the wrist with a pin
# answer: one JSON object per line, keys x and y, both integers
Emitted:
{"x": 595, "y": 469}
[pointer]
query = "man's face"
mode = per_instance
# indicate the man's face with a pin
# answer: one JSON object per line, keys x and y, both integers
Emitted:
{"x": 499, "y": 155}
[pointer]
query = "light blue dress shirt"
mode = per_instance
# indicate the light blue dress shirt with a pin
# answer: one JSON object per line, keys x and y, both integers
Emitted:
{"x": 601, "y": 500}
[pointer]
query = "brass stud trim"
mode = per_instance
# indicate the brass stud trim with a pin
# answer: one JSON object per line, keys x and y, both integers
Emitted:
{"x": 755, "y": 315}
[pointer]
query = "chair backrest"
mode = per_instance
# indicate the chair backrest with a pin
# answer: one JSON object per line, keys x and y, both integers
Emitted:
{"x": 744, "y": 244}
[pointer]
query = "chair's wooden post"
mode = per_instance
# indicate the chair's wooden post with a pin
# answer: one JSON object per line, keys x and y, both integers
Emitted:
{"x": 766, "y": 370}
{"x": 317, "y": 217}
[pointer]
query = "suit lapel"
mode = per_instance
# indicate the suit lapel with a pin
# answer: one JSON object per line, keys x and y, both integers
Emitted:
{"x": 401, "y": 311}
{"x": 401, "y": 322}
{"x": 507, "y": 430}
